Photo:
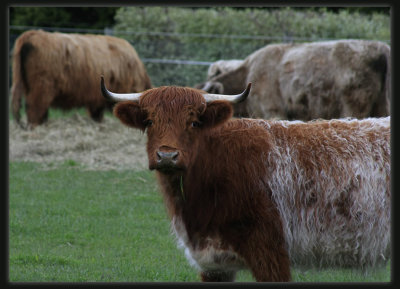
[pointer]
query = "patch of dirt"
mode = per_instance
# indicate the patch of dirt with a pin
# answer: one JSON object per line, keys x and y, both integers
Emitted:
{"x": 99, "y": 146}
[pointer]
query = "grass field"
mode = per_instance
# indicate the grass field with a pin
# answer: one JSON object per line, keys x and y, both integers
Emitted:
{"x": 68, "y": 224}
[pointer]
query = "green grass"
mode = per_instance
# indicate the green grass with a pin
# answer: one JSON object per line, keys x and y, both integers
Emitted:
{"x": 72, "y": 225}
{"x": 67, "y": 224}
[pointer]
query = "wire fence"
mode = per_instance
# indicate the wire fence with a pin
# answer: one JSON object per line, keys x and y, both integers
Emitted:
{"x": 179, "y": 58}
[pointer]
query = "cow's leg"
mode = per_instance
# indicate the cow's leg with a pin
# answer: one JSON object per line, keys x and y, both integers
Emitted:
{"x": 275, "y": 269}
{"x": 45, "y": 116}
{"x": 36, "y": 111}
{"x": 263, "y": 248}
{"x": 268, "y": 262}
{"x": 218, "y": 276}
{"x": 96, "y": 113}
{"x": 38, "y": 100}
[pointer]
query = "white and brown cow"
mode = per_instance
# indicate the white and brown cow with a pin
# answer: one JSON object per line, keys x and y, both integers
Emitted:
{"x": 264, "y": 195}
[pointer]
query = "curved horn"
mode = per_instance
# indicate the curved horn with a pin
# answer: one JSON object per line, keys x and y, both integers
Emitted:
{"x": 117, "y": 96}
{"x": 231, "y": 98}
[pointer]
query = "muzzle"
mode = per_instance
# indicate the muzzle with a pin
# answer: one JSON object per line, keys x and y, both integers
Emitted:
{"x": 167, "y": 160}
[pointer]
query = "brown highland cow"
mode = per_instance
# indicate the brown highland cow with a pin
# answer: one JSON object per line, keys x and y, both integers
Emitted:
{"x": 62, "y": 71}
{"x": 264, "y": 194}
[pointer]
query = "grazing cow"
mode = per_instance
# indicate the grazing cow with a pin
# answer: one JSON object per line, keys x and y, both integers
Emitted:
{"x": 217, "y": 68}
{"x": 222, "y": 66}
{"x": 259, "y": 194}
{"x": 62, "y": 70}
{"x": 333, "y": 79}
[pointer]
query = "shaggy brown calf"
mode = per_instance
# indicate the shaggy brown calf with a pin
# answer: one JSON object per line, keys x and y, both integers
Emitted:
{"x": 61, "y": 70}
{"x": 261, "y": 195}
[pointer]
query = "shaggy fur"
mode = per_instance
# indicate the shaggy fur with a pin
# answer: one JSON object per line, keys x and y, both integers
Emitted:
{"x": 331, "y": 183}
{"x": 258, "y": 194}
{"x": 333, "y": 79}
{"x": 62, "y": 70}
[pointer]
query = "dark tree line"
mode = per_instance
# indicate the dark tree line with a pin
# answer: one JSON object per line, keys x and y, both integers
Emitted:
{"x": 71, "y": 17}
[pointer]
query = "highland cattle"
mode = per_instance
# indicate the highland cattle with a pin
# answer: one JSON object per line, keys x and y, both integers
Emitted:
{"x": 62, "y": 70}
{"x": 264, "y": 194}
{"x": 331, "y": 79}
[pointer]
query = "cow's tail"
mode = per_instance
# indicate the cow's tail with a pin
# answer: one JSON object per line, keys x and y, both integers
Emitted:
{"x": 19, "y": 83}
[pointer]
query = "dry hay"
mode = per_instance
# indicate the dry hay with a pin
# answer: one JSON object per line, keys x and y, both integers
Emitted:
{"x": 98, "y": 146}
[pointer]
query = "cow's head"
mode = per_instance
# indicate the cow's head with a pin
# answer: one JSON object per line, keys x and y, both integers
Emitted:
{"x": 175, "y": 119}
{"x": 214, "y": 87}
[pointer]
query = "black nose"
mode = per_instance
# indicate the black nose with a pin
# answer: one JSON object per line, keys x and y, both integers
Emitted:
{"x": 167, "y": 157}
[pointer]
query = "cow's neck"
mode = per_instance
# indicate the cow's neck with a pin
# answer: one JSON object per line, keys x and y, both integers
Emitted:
{"x": 191, "y": 196}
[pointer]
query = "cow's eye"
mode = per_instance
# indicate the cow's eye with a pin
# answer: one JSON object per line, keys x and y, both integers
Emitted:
{"x": 196, "y": 124}
{"x": 148, "y": 123}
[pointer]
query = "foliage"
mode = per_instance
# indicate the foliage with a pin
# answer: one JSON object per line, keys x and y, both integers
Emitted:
{"x": 77, "y": 17}
{"x": 211, "y": 34}
{"x": 38, "y": 16}
{"x": 69, "y": 224}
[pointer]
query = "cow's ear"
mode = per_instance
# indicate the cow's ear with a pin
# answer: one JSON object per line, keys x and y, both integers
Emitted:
{"x": 216, "y": 113}
{"x": 130, "y": 114}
